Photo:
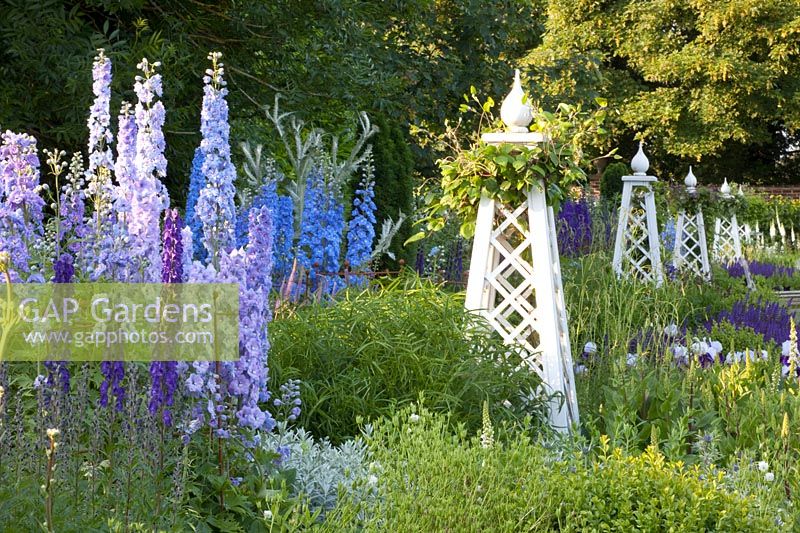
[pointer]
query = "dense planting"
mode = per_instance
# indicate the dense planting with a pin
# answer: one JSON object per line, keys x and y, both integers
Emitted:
{"x": 360, "y": 394}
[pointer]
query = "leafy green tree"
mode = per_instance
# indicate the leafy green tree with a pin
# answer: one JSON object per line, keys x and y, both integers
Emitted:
{"x": 409, "y": 60}
{"x": 708, "y": 81}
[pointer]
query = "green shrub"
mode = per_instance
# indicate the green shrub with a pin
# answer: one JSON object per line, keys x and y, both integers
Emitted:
{"x": 435, "y": 480}
{"x": 394, "y": 186}
{"x": 611, "y": 180}
{"x": 368, "y": 352}
{"x": 737, "y": 338}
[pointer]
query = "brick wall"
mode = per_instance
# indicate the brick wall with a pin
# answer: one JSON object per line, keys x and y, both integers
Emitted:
{"x": 789, "y": 191}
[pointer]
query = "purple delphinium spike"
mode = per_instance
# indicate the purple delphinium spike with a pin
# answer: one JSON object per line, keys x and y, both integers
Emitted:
{"x": 172, "y": 265}
{"x": 239, "y": 385}
{"x": 63, "y": 269}
{"x": 149, "y": 197}
{"x": 164, "y": 374}
{"x": 215, "y": 205}
{"x": 249, "y": 373}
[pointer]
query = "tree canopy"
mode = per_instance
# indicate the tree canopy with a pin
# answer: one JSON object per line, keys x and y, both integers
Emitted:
{"x": 701, "y": 80}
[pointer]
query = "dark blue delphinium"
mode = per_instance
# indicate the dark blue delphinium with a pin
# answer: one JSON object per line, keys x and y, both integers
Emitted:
{"x": 58, "y": 371}
{"x": 113, "y": 374}
{"x": 455, "y": 262}
{"x": 757, "y": 268}
{"x": 770, "y": 319}
{"x": 574, "y": 228}
{"x": 419, "y": 263}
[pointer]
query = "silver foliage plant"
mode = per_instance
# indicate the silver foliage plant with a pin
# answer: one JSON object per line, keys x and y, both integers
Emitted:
{"x": 389, "y": 229}
{"x": 324, "y": 472}
{"x": 306, "y": 149}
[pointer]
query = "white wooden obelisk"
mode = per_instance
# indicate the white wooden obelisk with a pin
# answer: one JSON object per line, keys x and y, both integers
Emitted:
{"x": 637, "y": 251}
{"x": 515, "y": 275}
{"x": 691, "y": 250}
{"x": 727, "y": 246}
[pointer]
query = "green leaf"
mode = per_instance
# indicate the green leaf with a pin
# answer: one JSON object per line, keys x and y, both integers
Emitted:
{"x": 414, "y": 238}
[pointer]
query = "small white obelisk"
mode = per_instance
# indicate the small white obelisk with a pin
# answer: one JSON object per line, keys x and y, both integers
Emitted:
{"x": 637, "y": 251}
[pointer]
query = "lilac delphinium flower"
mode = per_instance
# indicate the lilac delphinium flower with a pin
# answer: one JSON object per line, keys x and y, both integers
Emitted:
{"x": 20, "y": 203}
{"x": 197, "y": 182}
{"x": 124, "y": 168}
{"x": 242, "y": 384}
{"x": 72, "y": 228}
{"x": 99, "y": 122}
{"x": 164, "y": 374}
{"x": 149, "y": 197}
{"x": 215, "y": 204}
{"x": 361, "y": 230}
{"x": 103, "y": 255}
{"x": 249, "y": 381}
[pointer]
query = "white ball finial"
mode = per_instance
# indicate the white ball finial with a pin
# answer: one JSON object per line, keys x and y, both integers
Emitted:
{"x": 640, "y": 163}
{"x": 516, "y": 114}
{"x": 690, "y": 181}
{"x": 740, "y": 194}
{"x": 725, "y": 189}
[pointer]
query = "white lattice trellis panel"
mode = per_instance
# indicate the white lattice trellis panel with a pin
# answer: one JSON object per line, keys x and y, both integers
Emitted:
{"x": 691, "y": 250}
{"x": 515, "y": 284}
{"x": 727, "y": 247}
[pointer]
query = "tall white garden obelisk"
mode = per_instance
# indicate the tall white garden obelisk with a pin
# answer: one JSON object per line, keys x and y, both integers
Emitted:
{"x": 637, "y": 251}
{"x": 515, "y": 275}
{"x": 691, "y": 250}
{"x": 727, "y": 246}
